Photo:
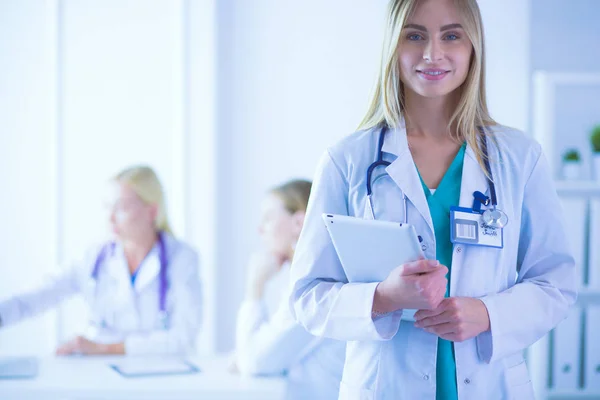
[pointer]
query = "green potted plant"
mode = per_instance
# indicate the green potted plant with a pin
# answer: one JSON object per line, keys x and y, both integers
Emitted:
{"x": 571, "y": 164}
{"x": 595, "y": 142}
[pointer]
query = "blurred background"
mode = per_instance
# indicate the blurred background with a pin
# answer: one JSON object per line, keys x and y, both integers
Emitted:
{"x": 226, "y": 98}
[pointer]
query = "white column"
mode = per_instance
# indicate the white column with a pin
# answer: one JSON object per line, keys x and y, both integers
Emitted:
{"x": 202, "y": 155}
{"x": 28, "y": 178}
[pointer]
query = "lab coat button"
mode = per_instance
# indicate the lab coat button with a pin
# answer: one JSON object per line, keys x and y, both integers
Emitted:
{"x": 467, "y": 381}
{"x": 458, "y": 249}
{"x": 424, "y": 247}
{"x": 426, "y": 377}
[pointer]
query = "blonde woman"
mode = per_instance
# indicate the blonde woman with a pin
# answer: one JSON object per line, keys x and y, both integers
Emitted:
{"x": 269, "y": 340}
{"x": 482, "y": 299}
{"x": 143, "y": 287}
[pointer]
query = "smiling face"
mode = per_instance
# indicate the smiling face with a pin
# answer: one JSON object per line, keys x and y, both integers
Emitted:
{"x": 434, "y": 51}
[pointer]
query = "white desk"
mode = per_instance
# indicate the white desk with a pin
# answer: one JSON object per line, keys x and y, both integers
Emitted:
{"x": 90, "y": 378}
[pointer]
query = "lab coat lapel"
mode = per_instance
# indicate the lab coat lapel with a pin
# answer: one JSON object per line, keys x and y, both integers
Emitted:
{"x": 148, "y": 270}
{"x": 473, "y": 179}
{"x": 119, "y": 275}
{"x": 404, "y": 172}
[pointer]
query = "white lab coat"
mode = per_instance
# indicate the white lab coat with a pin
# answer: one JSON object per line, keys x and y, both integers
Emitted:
{"x": 527, "y": 287}
{"x": 121, "y": 311}
{"x": 270, "y": 342}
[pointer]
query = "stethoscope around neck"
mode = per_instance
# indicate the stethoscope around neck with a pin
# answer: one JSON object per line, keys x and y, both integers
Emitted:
{"x": 109, "y": 248}
{"x": 492, "y": 217}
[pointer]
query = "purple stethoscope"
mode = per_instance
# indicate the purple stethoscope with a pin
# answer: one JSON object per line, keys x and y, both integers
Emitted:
{"x": 109, "y": 248}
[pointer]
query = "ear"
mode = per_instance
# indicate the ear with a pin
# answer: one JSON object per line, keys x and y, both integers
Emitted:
{"x": 298, "y": 221}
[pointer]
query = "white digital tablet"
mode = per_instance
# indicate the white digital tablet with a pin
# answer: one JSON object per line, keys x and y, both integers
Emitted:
{"x": 18, "y": 367}
{"x": 134, "y": 367}
{"x": 369, "y": 249}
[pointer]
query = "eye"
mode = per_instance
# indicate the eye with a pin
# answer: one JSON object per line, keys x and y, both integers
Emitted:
{"x": 414, "y": 36}
{"x": 452, "y": 36}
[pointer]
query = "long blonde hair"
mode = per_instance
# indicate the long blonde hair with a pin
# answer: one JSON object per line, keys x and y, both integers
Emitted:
{"x": 294, "y": 194}
{"x": 144, "y": 182}
{"x": 387, "y": 103}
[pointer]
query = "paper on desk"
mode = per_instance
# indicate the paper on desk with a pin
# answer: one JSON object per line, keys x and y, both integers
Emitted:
{"x": 143, "y": 367}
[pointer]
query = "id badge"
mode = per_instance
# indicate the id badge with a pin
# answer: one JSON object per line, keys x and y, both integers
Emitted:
{"x": 467, "y": 227}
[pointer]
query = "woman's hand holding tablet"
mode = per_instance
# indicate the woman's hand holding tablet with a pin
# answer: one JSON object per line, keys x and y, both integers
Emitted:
{"x": 415, "y": 285}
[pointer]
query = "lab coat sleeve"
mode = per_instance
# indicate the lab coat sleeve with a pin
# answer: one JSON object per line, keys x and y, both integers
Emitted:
{"x": 46, "y": 296}
{"x": 546, "y": 285}
{"x": 322, "y": 299}
{"x": 269, "y": 346}
{"x": 185, "y": 312}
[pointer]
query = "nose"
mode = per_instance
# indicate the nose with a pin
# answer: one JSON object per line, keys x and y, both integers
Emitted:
{"x": 433, "y": 51}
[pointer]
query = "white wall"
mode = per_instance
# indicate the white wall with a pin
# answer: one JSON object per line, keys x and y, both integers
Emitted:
{"x": 564, "y": 35}
{"x": 295, "y": 77}
{"x": 87, "y": 88}
{"x": 122, "y": 97}
{"x": 507, "y": 31}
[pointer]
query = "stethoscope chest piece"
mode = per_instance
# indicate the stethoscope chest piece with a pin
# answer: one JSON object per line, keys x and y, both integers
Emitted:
{"x": 495, "y": 218}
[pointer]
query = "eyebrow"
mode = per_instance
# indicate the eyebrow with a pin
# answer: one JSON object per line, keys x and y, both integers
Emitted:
{"x": 443, "y": 28}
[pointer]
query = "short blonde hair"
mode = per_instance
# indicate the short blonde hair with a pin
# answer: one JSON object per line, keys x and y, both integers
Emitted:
{"x": 145, "y": 183}
{"x": 294, "y": 194}
{"x": 387, "y": 103}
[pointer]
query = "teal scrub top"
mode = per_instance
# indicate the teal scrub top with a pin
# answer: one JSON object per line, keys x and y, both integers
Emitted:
{"x": 446, "y": 195}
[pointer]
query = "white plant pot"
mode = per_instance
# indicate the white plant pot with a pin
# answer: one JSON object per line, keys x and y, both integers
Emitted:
{"x": 596, "y": 166}
{"x": 572, "y": 170}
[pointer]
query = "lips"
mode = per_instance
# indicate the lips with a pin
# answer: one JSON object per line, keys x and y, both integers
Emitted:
{"x": 433, "y": 74}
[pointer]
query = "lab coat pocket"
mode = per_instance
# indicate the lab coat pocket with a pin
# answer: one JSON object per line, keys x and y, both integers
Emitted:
{"x": 361, "y": 369}
{"x": 522, "y": 392}
{"x": 351, "y": 392}
{"x": 518, "y": 382}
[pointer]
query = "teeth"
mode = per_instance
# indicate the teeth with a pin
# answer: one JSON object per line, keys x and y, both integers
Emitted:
{"x": 433, "y": 73}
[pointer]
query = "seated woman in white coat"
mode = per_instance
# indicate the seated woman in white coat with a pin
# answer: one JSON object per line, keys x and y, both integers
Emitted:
{"x": 143, "y": 287}
{"x": 497, "y": 275}
{"x": 269, "y": 340}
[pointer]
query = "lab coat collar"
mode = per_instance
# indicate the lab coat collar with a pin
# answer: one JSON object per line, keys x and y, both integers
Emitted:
{"x": 395, "y": 141}
{"x": 403, "y": 171}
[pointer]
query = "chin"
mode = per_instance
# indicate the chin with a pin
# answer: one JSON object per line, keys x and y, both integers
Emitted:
{"x": 275, "y": 251}
{"x": 434, "y": 89}
{"x": 280, "y": 253}
{"x": 434, "y": 92}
